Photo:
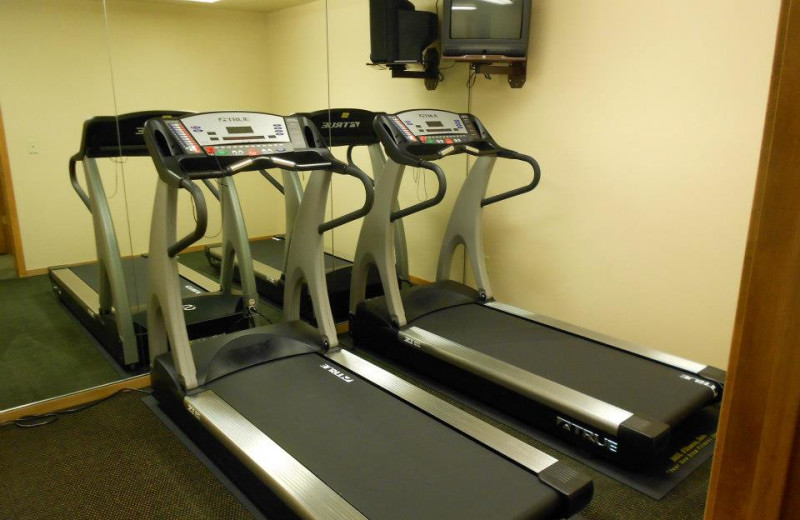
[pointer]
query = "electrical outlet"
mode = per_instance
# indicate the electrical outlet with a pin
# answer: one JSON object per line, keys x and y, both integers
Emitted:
{"x": 33, "y": 147}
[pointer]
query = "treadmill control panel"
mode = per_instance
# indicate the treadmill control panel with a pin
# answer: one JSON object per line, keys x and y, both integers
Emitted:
{"x": 435, "y": 127}
{"x": 236, "y": 134}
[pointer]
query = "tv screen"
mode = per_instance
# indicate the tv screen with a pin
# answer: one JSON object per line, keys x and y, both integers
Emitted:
{"x": 486, "y": 27}
{"x": 486, "y": 19}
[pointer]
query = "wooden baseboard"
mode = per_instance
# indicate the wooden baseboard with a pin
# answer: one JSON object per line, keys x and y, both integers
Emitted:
{"x": 74, "y": 399}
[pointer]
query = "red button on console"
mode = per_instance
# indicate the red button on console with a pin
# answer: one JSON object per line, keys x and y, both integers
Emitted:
{"x": 210, "y": 150}
{"x": 448, "y": 141}
{"x": 252, "y": 151}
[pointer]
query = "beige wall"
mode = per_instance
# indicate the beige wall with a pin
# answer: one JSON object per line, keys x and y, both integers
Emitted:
{"x": 54, "y": 75}
{"x": 647, "y": 119}
{"x": 355, "y": 85}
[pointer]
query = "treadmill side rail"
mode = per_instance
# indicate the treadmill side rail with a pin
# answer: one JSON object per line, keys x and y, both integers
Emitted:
{"x": 576, "y": 489}
{"x": 303, "y": 491}
{"x": 499, "y": 441}
{"x": 656, "y": 355}
{"x": 592, "y": 411}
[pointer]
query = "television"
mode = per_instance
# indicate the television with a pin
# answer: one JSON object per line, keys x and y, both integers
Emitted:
{"x": 398, "y": 32}
{"x": 486, "y": 27}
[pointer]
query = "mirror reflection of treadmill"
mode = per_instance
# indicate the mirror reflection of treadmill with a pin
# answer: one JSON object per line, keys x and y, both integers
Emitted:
{"x": 109, "y": 295}
{"x": 269, "y": 253}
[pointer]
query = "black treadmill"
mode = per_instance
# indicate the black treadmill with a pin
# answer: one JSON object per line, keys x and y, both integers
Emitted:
{"x": 614, "y": 399}
{"x": 349, "y": 127}
{"x": 306, "y": 429}
{"x": 109, "y": 296}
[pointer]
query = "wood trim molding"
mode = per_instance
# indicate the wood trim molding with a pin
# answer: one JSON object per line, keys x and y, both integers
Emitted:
{"x": 74, "y": 399}
{"x": 753, "y": 476}
{"x": 9, "y": 202}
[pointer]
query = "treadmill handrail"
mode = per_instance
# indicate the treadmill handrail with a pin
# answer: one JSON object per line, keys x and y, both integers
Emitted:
{"x": 201, "y": 223}
{"x": 73, "y": 178}
{"x": 408, "y": 159}
{"x": 369, "y": 198}
{"x": 537, "y": 175}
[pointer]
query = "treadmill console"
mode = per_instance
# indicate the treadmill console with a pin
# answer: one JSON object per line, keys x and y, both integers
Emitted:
{"x": 430, "y": 134}
{"x": 210, "y": 144}
{"x": 435, "y": 126}
{"x": 237, "y": 134}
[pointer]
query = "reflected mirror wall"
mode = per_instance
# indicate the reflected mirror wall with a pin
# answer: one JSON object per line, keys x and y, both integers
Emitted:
{"x": 75, "y": 59}
{"x": 55, "y": 74}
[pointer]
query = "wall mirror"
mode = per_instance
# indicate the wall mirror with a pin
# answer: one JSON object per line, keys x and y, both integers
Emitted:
{"x": 120, "y": 57}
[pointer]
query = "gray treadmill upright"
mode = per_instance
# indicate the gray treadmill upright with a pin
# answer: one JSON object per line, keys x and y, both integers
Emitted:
{"x": 339, "y": 127}
{"x": 109, "y": 296}
{"x": 324, "y": 432}
{"x": 618, "y": 400}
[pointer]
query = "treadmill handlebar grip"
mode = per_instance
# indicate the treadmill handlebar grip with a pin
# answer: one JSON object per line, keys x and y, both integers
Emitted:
{"x": 201, "y": 222}
{"x": 537, "y": 175}
{"x": 73, "y": 178}
{"x": 369, "y": 192}
{"x": 425, "y": 204}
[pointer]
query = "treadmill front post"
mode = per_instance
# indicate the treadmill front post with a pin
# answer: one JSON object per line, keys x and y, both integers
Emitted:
{"x": 305, "y": 259}
{"x": 235, "y": 244}
{"x": 112, "y": 292}
{"x": 466, "y": 227}
{"x": 376, "y": 245}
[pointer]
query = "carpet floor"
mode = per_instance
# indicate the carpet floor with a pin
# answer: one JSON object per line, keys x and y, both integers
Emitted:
{"x": 45, "y": 350}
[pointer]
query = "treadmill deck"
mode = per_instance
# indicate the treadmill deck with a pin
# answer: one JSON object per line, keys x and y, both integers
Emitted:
{"x": 383, "y": 456}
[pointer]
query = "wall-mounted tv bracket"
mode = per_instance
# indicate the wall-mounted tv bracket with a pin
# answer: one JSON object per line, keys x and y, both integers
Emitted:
{"x": 429, "y": 72}
{"x": 515, "y": 68}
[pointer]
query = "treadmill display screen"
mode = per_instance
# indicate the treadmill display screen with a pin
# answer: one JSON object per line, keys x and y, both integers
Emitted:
{"x": 433, "y": 122}
{"x": 240, "y": 129}
{"x": 211, "y": 129}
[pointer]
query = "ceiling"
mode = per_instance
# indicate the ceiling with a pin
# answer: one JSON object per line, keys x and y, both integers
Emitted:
{"x": 243, "y": 5}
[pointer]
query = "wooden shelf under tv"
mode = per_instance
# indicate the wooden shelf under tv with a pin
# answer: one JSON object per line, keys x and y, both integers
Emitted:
{"x": 512, "y": 66}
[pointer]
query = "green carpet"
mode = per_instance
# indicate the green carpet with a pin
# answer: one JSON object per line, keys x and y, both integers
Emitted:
{"x": 45, "y": 351}
{"x": 116, "y": 460}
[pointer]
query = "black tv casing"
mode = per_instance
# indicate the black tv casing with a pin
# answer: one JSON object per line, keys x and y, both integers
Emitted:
{"x": 457, "y": 47}
{"x": 399, "y": 33}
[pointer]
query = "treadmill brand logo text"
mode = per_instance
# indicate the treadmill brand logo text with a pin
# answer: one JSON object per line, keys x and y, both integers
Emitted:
{"x": 426, "y": 115}
{"x": 703, "y": 382}
{"x": 586, "y": 434}
{"x": 232, "y": 119}
{"x": 337, "y": 373}
{"x": 327, "y": 125}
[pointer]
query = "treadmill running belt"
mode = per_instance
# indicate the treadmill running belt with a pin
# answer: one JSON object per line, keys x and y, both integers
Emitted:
{"x": 270, "y": 251}
{"x": 135, "y": 269}
{"x": 340, "y": 431}
{"x": 581, "y": 364}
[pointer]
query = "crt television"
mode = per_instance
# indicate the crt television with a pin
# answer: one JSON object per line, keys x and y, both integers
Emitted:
{"x": 398, "y": 32}
{"x": 490, "y": 27}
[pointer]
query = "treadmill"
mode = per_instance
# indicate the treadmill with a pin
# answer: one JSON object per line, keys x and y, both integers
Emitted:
{"x": 109, "y": 296}
{"x": 306, "y": 429}
{"x": 349, "y": 127}
{"x": 613, "y": 399}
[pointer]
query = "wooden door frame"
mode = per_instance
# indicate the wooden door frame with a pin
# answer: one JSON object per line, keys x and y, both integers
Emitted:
{"x": 756, "y": 469}
{"x": 7, "y": 189}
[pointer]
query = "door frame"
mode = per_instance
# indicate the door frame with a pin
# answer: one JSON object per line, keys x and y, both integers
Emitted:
{"x": 756, "y": 470}
{"x": 7, "y": 190}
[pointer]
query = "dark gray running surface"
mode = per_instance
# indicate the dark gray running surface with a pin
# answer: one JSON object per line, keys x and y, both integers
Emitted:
{"x": 135, "y": 269}
{"x": 383, "y": 456}
{"x": 641, "y": 386}
{"x": 270, "y": 251}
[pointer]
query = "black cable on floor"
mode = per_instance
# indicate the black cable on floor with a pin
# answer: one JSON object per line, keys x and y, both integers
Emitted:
{"x": 34, "y": 421}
